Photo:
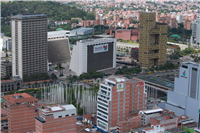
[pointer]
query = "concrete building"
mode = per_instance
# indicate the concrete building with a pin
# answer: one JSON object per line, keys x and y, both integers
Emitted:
{"x": 58, "y": 50}
{"x": 156, "y": 87}
{"x": 155, "y": 128}
{"x": 58, "y": 34}
{"x": 167, "y": 118}
{"x": 29, "y": 44}
{"x": 153, "y": 40}
{"x": 11, "y": 84}
{"x": 179, "y": 18}
{"x": 93, "y": 55}
{"x": 185, "y": 99}
{"x": 6, "y": 68}
{"x": 56, "y": 118}
{"x": 6, "y": 43}
{"x": 196, "y": 33}
{"x": 21, "y": 109}
{"x": 82, "y": 31}
{"x": 118, "y": 98}
{"x": 147, "y": 114}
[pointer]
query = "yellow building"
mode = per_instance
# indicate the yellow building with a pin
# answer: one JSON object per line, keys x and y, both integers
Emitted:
{"x": 153, "y": 41}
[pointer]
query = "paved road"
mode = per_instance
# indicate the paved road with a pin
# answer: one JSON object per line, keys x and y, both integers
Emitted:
{"x": 169, "y": 72}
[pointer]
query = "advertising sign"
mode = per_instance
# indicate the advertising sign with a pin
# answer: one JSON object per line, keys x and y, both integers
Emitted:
{"x": 183, "y": 74}
{"x": 100, "y": 48}
{"x": 120, "y": 87}
{"x": 140, "y": 84}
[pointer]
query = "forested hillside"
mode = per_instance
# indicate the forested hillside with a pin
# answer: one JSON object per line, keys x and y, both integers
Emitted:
{"x": 53, "y": 10}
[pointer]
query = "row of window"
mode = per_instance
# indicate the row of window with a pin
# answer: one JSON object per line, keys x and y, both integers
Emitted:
{"x": 65, "y": 115}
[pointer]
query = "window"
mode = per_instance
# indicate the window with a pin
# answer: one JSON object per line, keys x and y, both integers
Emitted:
{"x": 60, "y": 116}
{"x": 73, "y": 114}
{"x": 66, "y": 115}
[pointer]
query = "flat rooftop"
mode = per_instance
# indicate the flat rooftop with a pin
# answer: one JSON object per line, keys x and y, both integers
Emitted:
{"x": 57, "y": 108}
{"x": 158, "y": 81}
{"x": 28, "y": 15}
{"x": 19, "y": 98}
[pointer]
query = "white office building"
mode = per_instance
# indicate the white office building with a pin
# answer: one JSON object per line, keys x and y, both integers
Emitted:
{"x": 185, "y": 99}
{"x": 195, "y": 39}
{"x": 93, "y": 55}
{"x": 179, "y": 18}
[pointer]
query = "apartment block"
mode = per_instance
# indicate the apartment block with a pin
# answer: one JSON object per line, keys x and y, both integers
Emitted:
{"x": 21, "y": 111}
{"x": 56, "y": 118}
{"x": 29, "y": 44}
{"x": 117, "y": 98}
{"x": 153, "y": 40}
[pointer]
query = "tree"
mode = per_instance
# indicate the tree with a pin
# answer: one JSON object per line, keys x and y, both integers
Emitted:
{"x": 36, "y": 84}
{"x": 29, "y": 85}
{"x": 54, "y": 77}
{"x": 45, "y": 82}
{"x": 137, "y": 40}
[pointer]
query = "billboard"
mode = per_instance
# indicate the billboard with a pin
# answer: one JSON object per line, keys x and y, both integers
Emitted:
{"x": 120, "y": 87}
{"x": 100, "y": 48}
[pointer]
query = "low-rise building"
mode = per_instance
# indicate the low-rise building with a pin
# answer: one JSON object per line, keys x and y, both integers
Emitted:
{"x": 147, "y": 114}
{"x": 57, "y": 118}
{"x": 167, "y": 118}
{"x": 15, "y": 83}
{"x": 155, "y": 128}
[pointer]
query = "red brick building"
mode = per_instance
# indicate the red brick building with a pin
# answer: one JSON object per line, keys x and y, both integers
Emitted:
{"x": 117, "y": 97}
{"x": 130, "y": 123}
{"x": 21, "y": 110}
{"x": 127, "y": 34}
{"x": 58, "y": 118}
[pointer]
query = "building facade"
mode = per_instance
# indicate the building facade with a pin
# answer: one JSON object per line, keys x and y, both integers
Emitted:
{"x": 15, "y": 83}
{"x": 6, "y": 68}
{"x": 153, "y": 40}
{"x": 93, "y": 55}
{"x": 21, "y": 110}
{"x": 57, "y": 118}
{"x": 185, "y": 99}
{"x": 196, "y": 32}
{"x": 117, "y": 98}
{"x": 58, "y": 50}
{"x": 29, "y": 44}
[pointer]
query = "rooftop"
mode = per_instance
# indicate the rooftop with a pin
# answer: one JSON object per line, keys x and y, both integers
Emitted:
{"x": 28, "y": 15}
{"x": 57, "y": 108}
{"x": 159, "y": 81}
{"x": 19, "y": 98}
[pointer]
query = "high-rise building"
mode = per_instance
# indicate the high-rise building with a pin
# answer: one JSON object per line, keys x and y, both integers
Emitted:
{"x": 93, "y": 55}
{"x": 196, "y": 32}
{"x": 117, "y": 98}
{"x": 21, "y": 110}
{"x": 179, "y": 18}
{"x": 29, "y": 44}
{"x": 57, "y": 118}
{"x": 153, "y": 41}
{"x": 185, "y": 99}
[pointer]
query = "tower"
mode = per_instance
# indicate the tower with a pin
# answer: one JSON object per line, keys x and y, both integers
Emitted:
{"x": 29, "y": 44}
{"x": 153, "y": 40}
